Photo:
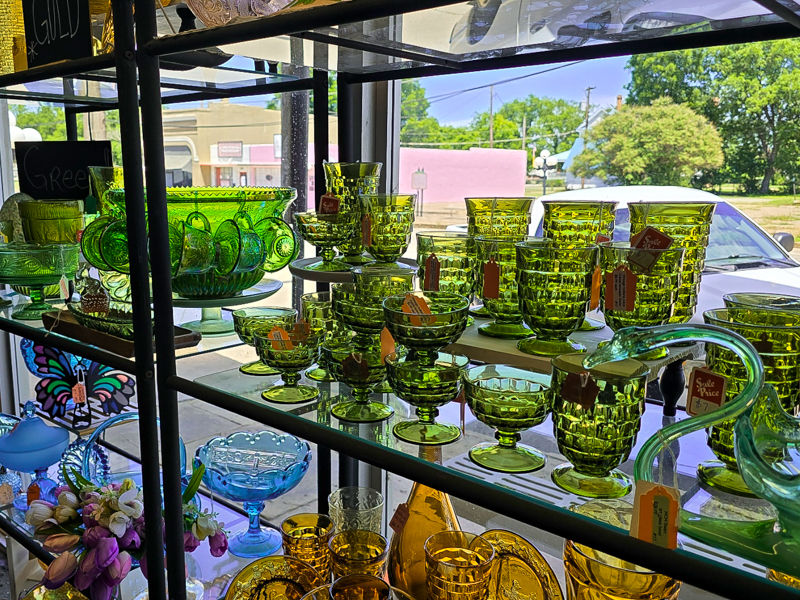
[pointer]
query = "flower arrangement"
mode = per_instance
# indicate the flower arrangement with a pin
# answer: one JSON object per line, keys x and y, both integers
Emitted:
{"x": 98, "y": 532}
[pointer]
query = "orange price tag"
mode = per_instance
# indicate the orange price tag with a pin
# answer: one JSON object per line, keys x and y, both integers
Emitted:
{"x": 491, "y": 279}
{"x": 400, "y": 518}
{"x": 417, "y": 305}
{"x": 656, "y": 511}
{"x": 329, "y": 204}
{"x": 432, "y": 267}
{"x": 706, "y": 391}
{"x": 621, "y": 289}
{"x": 388, "y": 345}
{"x": 63, "y": 287}
{"x": 34, "y": 493}
{"x": 597, "y": 279}
{"x": 79, "y": 393}
{"x": 366, "y": 230}
{"x": 301, "y": 331}
{"x": 601, "y": 238}
{"x": 580, "y": 388}
{"x": 280, "y": 339}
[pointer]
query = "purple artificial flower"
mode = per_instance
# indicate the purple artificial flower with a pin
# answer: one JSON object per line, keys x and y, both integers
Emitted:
{"x": 218, "y": 544}
{"x": 60, "y": 570}
{"x": 93, "y": 535}
{"x": 130, "y": 541}
{"x": 62, "y": 488}
{"x": 106, "y": 551}
{"x": 118, "y": 570}
{"x": 87, "y": 512}
{"x": 101, "y": 590}
{"x": 87, "y": 571}
{"x": 190, "y": 543}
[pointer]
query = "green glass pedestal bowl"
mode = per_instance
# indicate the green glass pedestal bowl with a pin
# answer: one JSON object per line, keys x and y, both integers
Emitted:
{"x": 325, "y": 232}
{"x": 290, "y": 357}
{"x": 360, "y": 313}
{"x": 248, "y": 321}
{"x": 762, "y": 300}
{"x": 390, "y": 218}
{"x": 509, "y": 400}
{"x": 596, "y": 427}
{"x": 426, "y": 388}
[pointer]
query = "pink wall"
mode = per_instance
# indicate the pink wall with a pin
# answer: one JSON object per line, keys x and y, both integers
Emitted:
{"x": 456, "y": 174}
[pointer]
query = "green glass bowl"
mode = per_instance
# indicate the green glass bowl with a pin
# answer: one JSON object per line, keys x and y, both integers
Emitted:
{"x": 499, "y": 217}
{"x": 598, "y": 436}
{"x": 762, "y": 300}
{"x": 426, "y": 388}
{"x": 213, "y": 285}
{"x": 116, "y": 322}
{"x": 455, "y": 253}
{"x": 325, "y": 232}
{"x": 51, "y": 221}
{"x": 383, "y": 280}
{"x": 247, "y": 321}
{"x": 290, "y": 359}
{"x": 555, "y": 286}
{"x": 427, "y": 334}
{"x": 577, "y": 223}
{"x": 509, "y": 400}
{"x": 776, "y": 337}
{"x": 391, "y": 221}
{"x": 363, "y": 314}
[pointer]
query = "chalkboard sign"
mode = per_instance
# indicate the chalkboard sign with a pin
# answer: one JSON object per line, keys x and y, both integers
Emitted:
{"x": 56, "y": 170}
{"x": 56, "y": 30}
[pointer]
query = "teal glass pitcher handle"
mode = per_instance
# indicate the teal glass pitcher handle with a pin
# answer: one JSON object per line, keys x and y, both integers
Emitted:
{"x": 631, "y": 342}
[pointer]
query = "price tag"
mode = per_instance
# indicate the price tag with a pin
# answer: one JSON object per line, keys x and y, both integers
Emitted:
{"x": 432, "y": 268}
{"x": 280, "y": 339}
{"x": 329, "y": 205}
{"x": 366, "y": 230}
{"x": 491, "y": 279}
{"x": 656, "y": 514}
{"x": 355, "y": 367}
{"x": 400, "y": 518}
{"x": 388, "y": 345}
{"x": 301, "y": 331}
{"x": 79, "y": 393}
{"x": 621, "y": 289}
{"x": 706, "y": 391}
{"x": 580, "y": 388}
{"x": 80, "y": 235}
{"x": 601, "y": 238}
{"x": 597, "y": 279}
{"x": 34, "y": 493}
{"x": 417, "y": 305}
{"x": 6, "y": 493}
{"x": 63, "y": 287}
{"x": 764, "y": 345}
{"x": 647, "y": 243}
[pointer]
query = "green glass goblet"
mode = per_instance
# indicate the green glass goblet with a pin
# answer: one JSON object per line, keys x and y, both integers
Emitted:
{"x": 248, "y": 321}
{"x": 426, "y": 388}
{"x": 325, "y": 232}
{"x": 776, "y": 336}
{"x": 390, "y": 219}
{"x": 762, "y": 300}
{"x": 380, "y": 281}
{"x": 596, "y": 434}
{"x": 657, "y": 280}
{"x": 348, "y": 181}
{"x": 426, "y": 334}
{"x": 510, "y": 400}
{"x": 555, "y": 286}
{"x": 289, "y": 356}
{"x": 105, "y": 179}
{"x": 361, "y": 313}
{"x": 501, "y": 301}
{"x": 317, "y": 311}
{"x": 362, "y": 371}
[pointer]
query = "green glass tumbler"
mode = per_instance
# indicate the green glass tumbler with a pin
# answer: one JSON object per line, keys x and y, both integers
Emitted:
{"x": 689, "y": 225}
{"x": 317, "y": 311}
{"x": 380, "y": 281}
{"x": 348, "y": 181}
{"x": 248, "y": 321}
{"x": 426, "y": 388}
{"x": 455, "y": 256}
{"x": 390, "y": 219}
{"x": 103, "y": 180}
{"x": 596, "y": 434}
{"x": 51, "y": 221}
{"x": 509, "y": 400}
{"x": 555, "y": 287}
{"x": 578, "y": 223}
{"x": 776, "y": 337}
{"x": 325, "y": 232}
{"x": 289, "y": 357}
{"x": 501, "y": 301}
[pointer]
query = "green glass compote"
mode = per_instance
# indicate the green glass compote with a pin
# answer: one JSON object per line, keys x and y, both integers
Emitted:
{"x": 776, "y": 337}
{"x": 325, "y": 232}
{"x": 361, "y": 313}
{"x": 362, "y": 371}
{"x": 555, "y": 286}
{"x": 656, "y": 286}
{"x": 510, "y": 400}
{"x": 248, "y": 321}
{"x": 596, "y": 435}
{"x": 36, "y": 266}
{"x": 505, "y": 309}
{"x": 762, "y": 300}
{"x": 317, "y": 311}
{"x": 289, "y": 357}
{"x": 426, "y": 334}
{"x": 426, "y": 389}
{"x": 391, "y": 218}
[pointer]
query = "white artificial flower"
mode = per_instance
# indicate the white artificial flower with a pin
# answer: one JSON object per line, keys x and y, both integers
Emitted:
{"x": 67, "y": 498}
{"x": 204, "y": 526}
{"x": 118, "y": 523}
{"x": 62, "y": 514}
{"x": 38, "y": 513}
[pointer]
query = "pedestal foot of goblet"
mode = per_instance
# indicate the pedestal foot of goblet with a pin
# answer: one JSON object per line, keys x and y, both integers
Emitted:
{"x": 319, "y": 374}
{"x": 539, "y": 347}
{"x": 258, "y": 369}
{"x": 505, "y": 331}
{"x": 507, "y": 459}
{"x": 285, "y": 394}
{"x": 352, "y": 411}
{"x": 427, "y": 434}
{"x": 614, "y": 485}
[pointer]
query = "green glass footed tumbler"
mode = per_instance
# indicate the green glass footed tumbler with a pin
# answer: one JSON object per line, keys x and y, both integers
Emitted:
{"x": 453, "y": 256}
{"x": 248, "y": 321}
{"x": 596, "y": 418}
{"x": 387, "y": 221}
{"x": 317, "y": 311}
{"x": 290, "y": 357}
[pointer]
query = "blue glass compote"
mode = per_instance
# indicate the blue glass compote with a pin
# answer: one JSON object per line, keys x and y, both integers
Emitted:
{"x": 252, "y": 468}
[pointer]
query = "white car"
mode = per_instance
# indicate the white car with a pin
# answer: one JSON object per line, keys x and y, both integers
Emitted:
{"x": 741, "y": 256}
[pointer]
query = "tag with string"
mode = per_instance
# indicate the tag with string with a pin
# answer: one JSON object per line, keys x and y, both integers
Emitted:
{"x": 431, "y": 283}
{"x": 621, "y": 289}
{"x": 366, "y": 230}
{"x": 280, "y": 339}
{"x": 580, "y": 388}
{"x": 417, "y": 305}
{"x": 388, "y": 345}
{"x": 706, "y": 391}
{"x": 491, "y": 279}
{"x": 329, "y": 204}
{"x": 79, "y": 389}
{"x": 63, "y": 283}
{"x": 656, "y": 508}
{"x": 597, "y": 280}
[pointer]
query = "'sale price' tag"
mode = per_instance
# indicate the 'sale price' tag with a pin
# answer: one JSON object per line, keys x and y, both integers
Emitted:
{"x": 648, "y": 244}
{"x": 656, "y": 511}
{"x": 432, "y": 269}
{"x": 491, "y": 279}
{"x": 400, "y": 518}
{"x": 329, "y": 204}
{"x": 706, "y": 391}
{"x": 621, "y": 289}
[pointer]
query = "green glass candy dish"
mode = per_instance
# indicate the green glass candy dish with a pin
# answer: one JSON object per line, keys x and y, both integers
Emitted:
{"x": 388, "y": 221}
{"x": 578, "y": 223}
{"x": 36, "y": 266}
{"x": 289, "y": 356}
{"x": 762, "y": 300}
{"x": 555, "y": 286}
{"x": 363, "y": 314}
{"x": 362, "y": 370}
{"x": 325, "y": 232}
{"x": 426, "y": 334}
{"x": 776, "y": 337}
{"x": 248, "y": 321}
{"x": 426, "y": 388}
{"x": 500, "y": 300}
{"x": 116, "y": 322}
{"x": 383, "y": 280}
{"x": 348, "y": 181}
{"x": 509, "y": 400}
{"x": 689, "y": 225}
{"x": 595, "y": 425}
{"x": 317, "y": 311}
{"x": 51, "y": 221}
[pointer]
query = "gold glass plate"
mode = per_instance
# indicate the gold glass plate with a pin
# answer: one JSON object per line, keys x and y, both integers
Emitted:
{"x": 274, "y": 577}
{"x": 520, "y": 570}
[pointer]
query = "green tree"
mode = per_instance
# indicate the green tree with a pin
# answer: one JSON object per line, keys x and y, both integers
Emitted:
{"x": 751, "y": 92}
{"x": 551, "y": 123}
{"x": 274, "y": 100}
{"x": 47, "y": 120}
{"x": 661, "y": 144}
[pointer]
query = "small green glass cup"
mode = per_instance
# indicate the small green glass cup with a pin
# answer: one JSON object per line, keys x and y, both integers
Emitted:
{"x": 598, "y": 435}
{"x": 248, "y": 321}
{"x": 103, "y": 180}
{"x": 289, "y": 357}
{"x": 456, "y": 257}
{"x": 391, "y": 219}
{"x": 51, "y": 221}
{"x": 427, "y": 334}
{"x": 317, "y": 311}
{"x": 776, "y": 336}
{"x": 192, "y": 251}
{"x": 114, "y": 246}
{"x": 509, "y": 400}
{"x": 90, "y": 242}
{"x": 505, "y": 308}
{"x": 240, "y": 248}
{"x": 324, "y": 232}
{"x": 555, "y": 287}
{"x": 361, "y": 313}
{"x": 426, "y": 388}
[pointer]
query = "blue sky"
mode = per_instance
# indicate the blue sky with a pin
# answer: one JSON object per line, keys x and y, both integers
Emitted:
{"x": 607, "y": 75}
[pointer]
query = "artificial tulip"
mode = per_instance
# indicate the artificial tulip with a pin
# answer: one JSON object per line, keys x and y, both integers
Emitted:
{"x": 61, "y": 569}
{"x": 60, "y": 542}
{"x": 107, "y": 550}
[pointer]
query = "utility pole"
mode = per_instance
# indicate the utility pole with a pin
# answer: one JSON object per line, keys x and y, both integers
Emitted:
{"x": 586, "y": 127}
{"x": 491, "y": 116}
{"x": 525, "y": 140}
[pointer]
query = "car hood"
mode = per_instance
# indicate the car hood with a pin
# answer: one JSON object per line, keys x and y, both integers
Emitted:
{"x": 773, "y": 280}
